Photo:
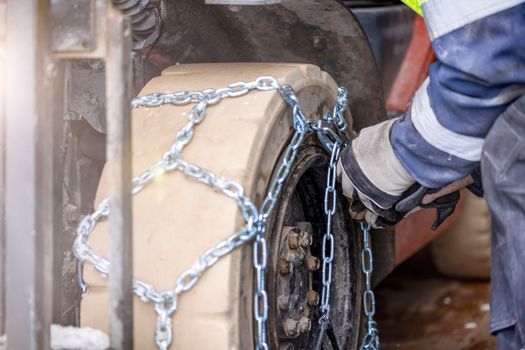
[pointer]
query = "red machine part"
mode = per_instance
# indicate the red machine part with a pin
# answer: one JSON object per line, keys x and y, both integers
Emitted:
{"x": 414, "y": 68}
{"x": 412, "y": 233}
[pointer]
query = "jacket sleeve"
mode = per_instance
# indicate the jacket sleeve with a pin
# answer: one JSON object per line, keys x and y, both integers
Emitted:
{"x": 480, "y": 46}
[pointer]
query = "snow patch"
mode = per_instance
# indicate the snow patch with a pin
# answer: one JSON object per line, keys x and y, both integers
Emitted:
{"x": 3, "y": 342}
{"x": 78, "y": 338}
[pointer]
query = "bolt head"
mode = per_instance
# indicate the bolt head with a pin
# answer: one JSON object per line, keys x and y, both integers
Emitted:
{"x": 312, "y": 298}
{"x": 306, "y": 239}
{"x": 313, "y": 263}
{"x": 294, "y": 238}
{"x": 305, "y": 324}
{"x": 284, "y": 266}
{"x": 291, "y": 327}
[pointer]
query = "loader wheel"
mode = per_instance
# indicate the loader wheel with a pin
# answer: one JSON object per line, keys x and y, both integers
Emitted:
{"x": 464, "y": 249}
{"x": 177, "y": 219}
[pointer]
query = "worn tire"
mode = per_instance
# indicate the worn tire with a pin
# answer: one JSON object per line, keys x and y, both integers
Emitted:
{"x": 176, "y": 219}
{"x": 464, "y": 249}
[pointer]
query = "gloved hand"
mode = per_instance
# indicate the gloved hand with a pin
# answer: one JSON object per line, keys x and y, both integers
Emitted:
{"x": 411, "y": 201}
{"x": 381, "y": 191}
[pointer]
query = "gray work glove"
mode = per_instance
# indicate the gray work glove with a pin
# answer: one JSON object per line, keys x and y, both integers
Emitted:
{"x": 381, "y": 191}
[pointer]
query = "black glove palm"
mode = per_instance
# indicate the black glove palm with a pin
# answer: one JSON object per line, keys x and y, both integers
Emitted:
{"x": 410, "y": 201}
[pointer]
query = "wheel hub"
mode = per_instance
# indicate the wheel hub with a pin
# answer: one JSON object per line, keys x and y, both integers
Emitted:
{"x": 295, "y": 277}
{"x": 295, "y": 296}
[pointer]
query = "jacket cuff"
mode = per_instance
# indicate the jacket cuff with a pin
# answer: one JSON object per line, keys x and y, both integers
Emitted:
{"x": 373, "y": 168}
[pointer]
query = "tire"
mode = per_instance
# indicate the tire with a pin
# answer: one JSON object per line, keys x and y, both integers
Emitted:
{"x": 176, "y": 219}
{"x": 464, "y": 249}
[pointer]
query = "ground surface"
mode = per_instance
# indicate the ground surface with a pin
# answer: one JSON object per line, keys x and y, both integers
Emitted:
{"x": 418, "y": 309}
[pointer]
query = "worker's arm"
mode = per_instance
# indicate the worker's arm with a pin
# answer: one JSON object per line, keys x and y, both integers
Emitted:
{"x": 480, "y": 46}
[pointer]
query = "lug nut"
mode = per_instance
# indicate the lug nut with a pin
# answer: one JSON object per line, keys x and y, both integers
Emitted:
{"x": 306, "y": 240}
{"x": 294, "y": 238}
{"x": 284, "y": 266}
{"x": 306, "y": 312}
{"x": 313, "y": 263}
{"x": 291, "y": 327}
{"x": 312, "y": 298}
{"x": 283, "y": 302}
{"x": 305, "y": 324}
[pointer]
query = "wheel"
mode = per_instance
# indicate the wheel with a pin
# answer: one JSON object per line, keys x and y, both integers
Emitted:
{"x": 177, "y": 219}
{"x": 464, "y": 249}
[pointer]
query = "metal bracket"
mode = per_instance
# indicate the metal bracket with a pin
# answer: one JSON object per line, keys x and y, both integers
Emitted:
{"x": 328, "y": 137}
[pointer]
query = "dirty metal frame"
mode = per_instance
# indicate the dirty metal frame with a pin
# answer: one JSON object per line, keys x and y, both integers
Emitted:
{"x": 31, "y": 197}
{"x": 112, "y": 43}
{"x": 33, "y": 167}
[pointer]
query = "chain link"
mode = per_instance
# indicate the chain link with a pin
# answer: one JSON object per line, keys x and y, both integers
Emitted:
{"x": 260, "y": 259}
{"x": 333, "y": 141}
{"x": 260, "y": 297}
{"x": 330, "y": 199}
{"x": 371, "y": 337}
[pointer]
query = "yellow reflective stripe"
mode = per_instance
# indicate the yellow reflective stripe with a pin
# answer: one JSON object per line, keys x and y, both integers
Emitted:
{"x": 415, "y": 5}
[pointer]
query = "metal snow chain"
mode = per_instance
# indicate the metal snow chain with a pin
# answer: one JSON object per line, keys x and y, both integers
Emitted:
{"x": 166, "y": 302}
{"x": 328, "y": 238}
{"x": 333, "y": 141}
{"x": 330, "y": 203}
{"x": 371, "y": 337}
